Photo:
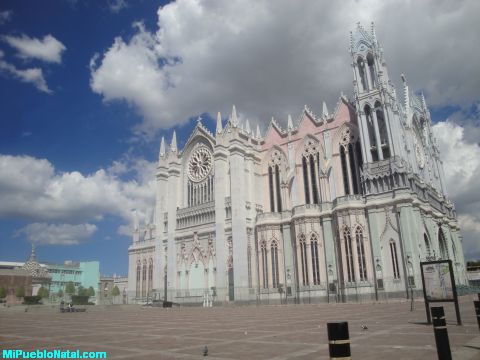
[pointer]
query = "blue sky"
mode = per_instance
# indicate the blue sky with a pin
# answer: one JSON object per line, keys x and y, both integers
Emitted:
{"x": 79, "y": 141}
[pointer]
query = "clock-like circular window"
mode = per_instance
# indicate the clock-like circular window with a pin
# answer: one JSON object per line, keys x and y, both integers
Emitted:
{"x": 200, "y": 164}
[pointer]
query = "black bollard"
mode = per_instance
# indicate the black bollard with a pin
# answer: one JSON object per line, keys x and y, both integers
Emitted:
{"x": 441, "y": 333}
{"x": 338, "y": 340}
{"x": 477, "y": 311}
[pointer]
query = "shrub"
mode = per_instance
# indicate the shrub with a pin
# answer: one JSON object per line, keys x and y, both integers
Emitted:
{"x": 70, "y": 288}
{"x": 80, "y": 299}
{"x": 90, "y": 291}
{"x": 43, "y": 292}
{"x": 3, "y": 292}
{"x": 31, "y": 300}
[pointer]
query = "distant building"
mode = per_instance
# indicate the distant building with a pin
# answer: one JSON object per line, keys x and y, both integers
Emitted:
{"x": 106, "y": 286}
{"x": 56, "y": 276}
{"x": 83, "y": 273}
{"x": 11, "y": 280}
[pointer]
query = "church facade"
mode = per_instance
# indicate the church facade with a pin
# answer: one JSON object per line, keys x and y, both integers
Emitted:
{"x": 333, "y": 206}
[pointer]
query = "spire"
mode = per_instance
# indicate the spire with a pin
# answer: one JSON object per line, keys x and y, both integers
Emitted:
{"x": 406, "y": 97}
{"x": 162, "y": 147}
{"x": 247, "y": 126}
{"x": 258, "y": 135}
{"x": 135, "y": 220}
{"x": 219, "y": 123}
{"x": 374, "y": 35}
{"x": 424, "y": 103}
{"x": 324, "y": 110}
{"x": 147, "y": 217}
{"x": 173, "y": 146}
{"x": 33, "y": 256}
{"x": 233, "y": 117}
{"x": 289, "y": 123}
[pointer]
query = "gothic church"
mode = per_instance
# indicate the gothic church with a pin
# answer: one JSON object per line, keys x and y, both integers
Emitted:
{"x": 335, "y": 206}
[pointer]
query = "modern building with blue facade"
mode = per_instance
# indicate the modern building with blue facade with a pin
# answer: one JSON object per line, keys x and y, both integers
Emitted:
{"x": 83, "y": 273}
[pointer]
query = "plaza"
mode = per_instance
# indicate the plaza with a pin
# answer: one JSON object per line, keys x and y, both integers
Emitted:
{"x": 240, "y": 332}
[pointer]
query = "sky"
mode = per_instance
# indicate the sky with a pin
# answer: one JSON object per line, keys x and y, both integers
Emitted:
{"x": 89, "y": 87}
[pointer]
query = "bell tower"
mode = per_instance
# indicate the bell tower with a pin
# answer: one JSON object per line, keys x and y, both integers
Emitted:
{"x": 374, "y": 97}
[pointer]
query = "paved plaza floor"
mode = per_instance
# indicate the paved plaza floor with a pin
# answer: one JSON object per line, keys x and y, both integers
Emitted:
{"x": 243, "y": 332}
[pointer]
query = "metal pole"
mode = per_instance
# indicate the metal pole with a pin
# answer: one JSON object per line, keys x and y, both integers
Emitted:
{"x": 338, "y": 340}
{"x": 441, "y": 333}
{"x": 477, "y": 311}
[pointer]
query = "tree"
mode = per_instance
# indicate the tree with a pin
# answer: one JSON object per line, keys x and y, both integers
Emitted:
{"x": 70, "y": 288}
{"x": 90, "y": 291}
{"x": 81, "y": 291}
{"x": 60, "y": 293}
{"x": 115, "y": 291}
{"x": 20, "y": 292}
{"x": 43, "y": 292}
{"x": 3, "y": 292}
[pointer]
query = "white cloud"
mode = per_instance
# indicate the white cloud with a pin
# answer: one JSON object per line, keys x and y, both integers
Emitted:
{"x": 57, "y": 234}
{"x": 270, "y": 58}
{"x": 31, "y": 189}
{"x": 461, "y": 162}
{"x": 116, "y": 5}
{"x": 5, "y": 16}
{"x": 47, "y": 49}
{"x": 33, "y": 75}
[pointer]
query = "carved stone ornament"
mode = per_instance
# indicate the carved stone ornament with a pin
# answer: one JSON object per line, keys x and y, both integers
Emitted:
{"x": 419, "y": 151}
{"x": 200, "y": 164}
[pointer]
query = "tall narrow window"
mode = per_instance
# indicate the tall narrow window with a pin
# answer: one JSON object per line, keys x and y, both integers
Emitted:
{"x": 427, "y": 245}
{"x": 395, "y": 266}
{"x": 382, "y": 128}
{"x": 361, "y": 72}
{"x": 274, "y": 255}
{"x": 353, "y": 170}
{"x": 137, "y": 293}
{"x": 315, "y": 262}
{"x": 144, "y": 279}
{"x": 305, "y": 180}
{"x": 314, "y": 179}
{"x": 349, "y": 255}
{"x": 344, "y": 170}
{"x": 371, "y": 69}
{"x": 249, "y": 264}
{"x": 270, "y": 183}
{"x": 150, "y": 277}
{"x": 265, "y": 265}
{"x": 277, "y": 184}
{"x": 362, "y": 264}
{"x": 442, "y": 242}
{"x": 303, "y": 255}
{"x": 371, "y": 133}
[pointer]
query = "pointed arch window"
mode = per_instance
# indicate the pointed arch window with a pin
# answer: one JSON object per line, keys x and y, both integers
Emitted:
{"x": 394, "y": 257}
{"x": 303, "y": 256}
{"x": 442, "y": 242}
{"x": 428, "y": 251}
{"x": 313, "y": 176}
{"x": 264, "y": 264}
{"x": 362, "y": 263}
{"x": 349, "y": 255}
{"x": 315, "y": 259}
{"x": 274, "y": 256}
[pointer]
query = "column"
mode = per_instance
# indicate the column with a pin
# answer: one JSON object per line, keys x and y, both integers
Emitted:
{"x": 366, "y": 153}
{"x": 317, "y": 178}
{"x": 269, "y": 267}
{"x": 309, "y": 262}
